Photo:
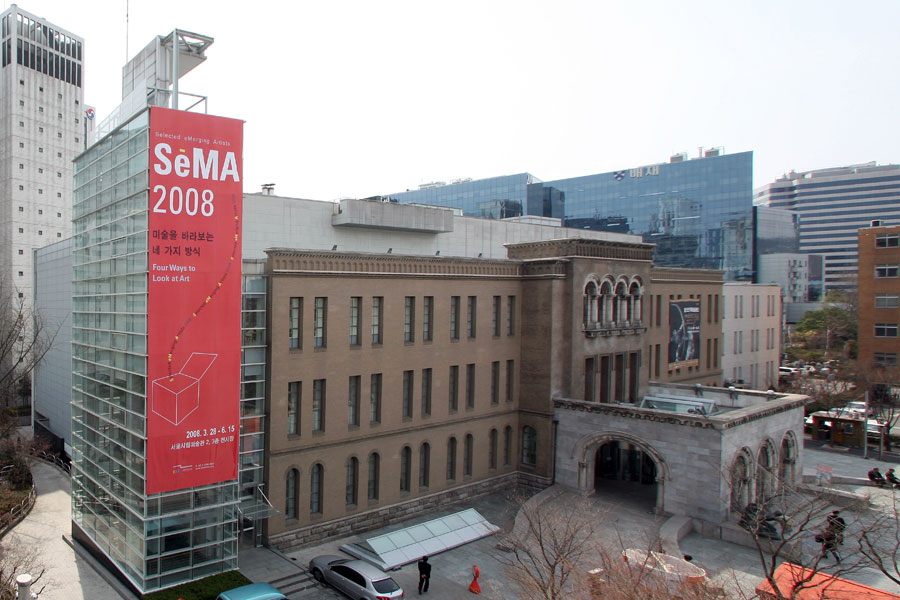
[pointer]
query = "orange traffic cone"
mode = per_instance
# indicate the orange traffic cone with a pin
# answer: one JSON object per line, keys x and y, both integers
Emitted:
{"x": 474, "y": 587}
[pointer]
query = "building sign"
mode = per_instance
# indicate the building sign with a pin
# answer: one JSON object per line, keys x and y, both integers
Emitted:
{"x": 637, "y": 172}
{"x": 194, "y": 300}
{"x": 684, "y": 333}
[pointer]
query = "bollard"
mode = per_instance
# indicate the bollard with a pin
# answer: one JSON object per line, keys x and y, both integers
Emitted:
{"x": 24, "y": 583}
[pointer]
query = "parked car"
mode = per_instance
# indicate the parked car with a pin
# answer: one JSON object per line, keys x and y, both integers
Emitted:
{"x": 356, "y": 578}
{"x": 787, "y": 372}
{"x": 858, "y": 407}
{"x": 254, "y": 591}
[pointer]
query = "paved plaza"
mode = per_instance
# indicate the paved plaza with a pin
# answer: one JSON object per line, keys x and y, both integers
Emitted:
{"x": 624, "y": 520}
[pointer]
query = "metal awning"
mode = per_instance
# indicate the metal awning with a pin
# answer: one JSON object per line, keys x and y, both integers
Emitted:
{"x": 257, "y": 507}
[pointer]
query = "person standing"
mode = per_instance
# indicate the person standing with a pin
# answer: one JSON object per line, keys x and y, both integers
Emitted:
{"x": 424, "y": 574}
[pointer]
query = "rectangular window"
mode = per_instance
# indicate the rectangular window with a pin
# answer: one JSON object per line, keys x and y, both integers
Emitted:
{"x": 409, "y": 319}
{"x": 296, "y": 318}
{"x": 377, "y": 315}
{"x": 353, "y": 401}
{"x": 427, "y": 318}
{"x": 886, "y": 330}
{"x": 510, "y": 380}
{"x": 375, "y": 398}
{"x": 293, "y": 409}
{"x": 656, "y": 361}
{"x": 495, "y": 382}
{"x": 883, "y": 271}
{"x": 886, "y": 359}
{"x": 355, "y": 312}
{"x": 887, "y": 240}
{"x": 408, "y": 379}
{"x": 471, "y": 316}
{"x": 318, "y": 406}
{"x": 511, "y": 315}
{"x": 454, "y": 317}
{"x": 426, "y": 392}
{"x": 470, "y": 386}
{"x": 887, "y": 301}
{"x": 453, "y": 388}
{"x": 319, "y": 322}
{"x": 495, "y": 317}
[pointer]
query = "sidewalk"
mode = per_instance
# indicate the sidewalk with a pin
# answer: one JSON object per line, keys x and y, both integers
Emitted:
{"x": 67, "y": 576}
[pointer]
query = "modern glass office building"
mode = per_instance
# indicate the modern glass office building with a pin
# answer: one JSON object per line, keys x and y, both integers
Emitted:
{"x": 698, "y": 212}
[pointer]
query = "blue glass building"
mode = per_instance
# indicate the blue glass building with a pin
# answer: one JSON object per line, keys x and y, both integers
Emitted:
{"x": 699, "y": 212}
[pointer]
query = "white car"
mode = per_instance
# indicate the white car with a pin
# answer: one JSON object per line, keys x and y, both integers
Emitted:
{"x": 856, "y": 407}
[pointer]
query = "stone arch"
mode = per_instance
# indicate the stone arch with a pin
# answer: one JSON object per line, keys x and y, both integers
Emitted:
{"x": 787, "y": 460}
{"x": 741, "y": 476}
{"x": 766, "y": 470}
{"x": 591, "y": 302}
{"x": 585, "y": 453}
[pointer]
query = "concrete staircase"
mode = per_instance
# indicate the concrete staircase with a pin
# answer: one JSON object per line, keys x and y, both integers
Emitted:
{"x": 300, "y": 585}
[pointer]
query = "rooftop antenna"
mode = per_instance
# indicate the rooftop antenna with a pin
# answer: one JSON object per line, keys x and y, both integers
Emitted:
{"x": 126, "y": 31}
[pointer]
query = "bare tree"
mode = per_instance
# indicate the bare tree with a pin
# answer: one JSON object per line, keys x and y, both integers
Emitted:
{"x": 795, "y": 525}
{"x": 879, "y": 541}
{"x": 24, "y": 340}
{"x": 547, "y": 548}
{"x": 16, "y": 560}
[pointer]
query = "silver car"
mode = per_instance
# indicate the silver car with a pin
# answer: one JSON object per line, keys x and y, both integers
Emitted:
{"x": 356, "y": 578}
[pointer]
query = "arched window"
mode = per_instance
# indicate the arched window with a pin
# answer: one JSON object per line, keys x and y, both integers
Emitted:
{"x": 315, "y": 489}
{"x": 590, "y": 304}
{"x": 492, "y": 451}
{"x": 618, "y": 301}
{"x": 424, "y": 465}
{"x": 352, "y": 480}
{"x": 529, "y": 446}
{"x": 290, "y": 494}
{"x": 405, "y": 459}
{"x": 374, "y": 474}
{"x": 788, "y": 460}
{"x": 507, "y": 446}
{"x": 604, "y": 307}
{"x": 765, "y": 461}
{"x": 740, "y": 481}
{"x": 467, "y": 455}
{"x": 451, "y": 459}
{"x": 634, "y": 302}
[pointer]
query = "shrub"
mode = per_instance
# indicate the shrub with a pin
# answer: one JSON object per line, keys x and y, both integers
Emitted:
{"x": 202, "y": 589}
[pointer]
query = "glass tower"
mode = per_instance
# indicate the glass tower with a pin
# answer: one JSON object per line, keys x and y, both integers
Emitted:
{"x": 699, "y": 212}
{"x": 160, "y": 540}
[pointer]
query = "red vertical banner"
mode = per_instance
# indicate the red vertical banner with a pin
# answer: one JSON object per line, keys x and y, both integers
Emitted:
{"x": 194, "y": 300}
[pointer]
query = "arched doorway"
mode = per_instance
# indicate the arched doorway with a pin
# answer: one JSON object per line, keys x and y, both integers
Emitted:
{"x": 625, "y": 470}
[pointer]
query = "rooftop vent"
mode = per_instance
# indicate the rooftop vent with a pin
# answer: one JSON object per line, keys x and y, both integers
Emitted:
{"x": 680, "y": 157}
{"x": 877, "y": 223}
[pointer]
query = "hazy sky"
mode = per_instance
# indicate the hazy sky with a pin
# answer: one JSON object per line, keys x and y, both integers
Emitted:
{"x": 351, "y": 99}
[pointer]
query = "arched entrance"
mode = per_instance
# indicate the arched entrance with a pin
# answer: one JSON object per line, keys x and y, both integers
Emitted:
{"x": 624, "y": 471}
{"x": 621, "y": 467}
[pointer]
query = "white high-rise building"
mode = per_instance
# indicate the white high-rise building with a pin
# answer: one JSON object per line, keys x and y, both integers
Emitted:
{"x": 43, "y": 125}
{"x": 833, "y": 205}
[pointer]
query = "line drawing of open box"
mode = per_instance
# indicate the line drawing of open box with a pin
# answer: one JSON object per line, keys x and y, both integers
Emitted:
{"x": 177, "y": 396}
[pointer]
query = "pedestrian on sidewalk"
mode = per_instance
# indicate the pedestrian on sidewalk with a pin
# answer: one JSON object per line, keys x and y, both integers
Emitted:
{"x": 892, "y": 478}
{"x": 876, "y": 477}
{"x": 424, "y": 574}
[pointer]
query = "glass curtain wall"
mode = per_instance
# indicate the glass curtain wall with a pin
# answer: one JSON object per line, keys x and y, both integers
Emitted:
{"x": 158, "y": 540}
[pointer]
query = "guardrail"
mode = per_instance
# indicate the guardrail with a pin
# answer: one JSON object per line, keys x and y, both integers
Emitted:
{"x": 17, "y": 513}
